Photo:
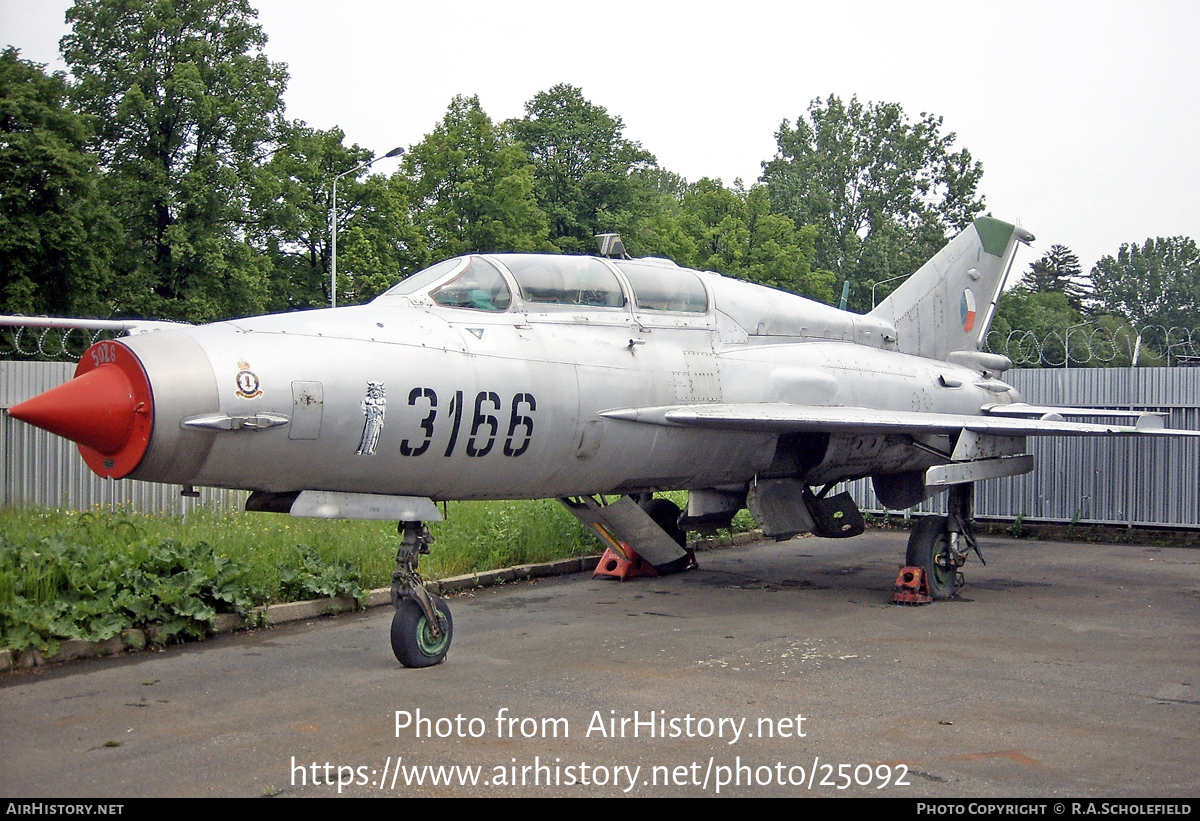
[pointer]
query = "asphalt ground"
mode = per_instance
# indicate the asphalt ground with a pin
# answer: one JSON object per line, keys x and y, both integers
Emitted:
{"x": 1064, "y": 670}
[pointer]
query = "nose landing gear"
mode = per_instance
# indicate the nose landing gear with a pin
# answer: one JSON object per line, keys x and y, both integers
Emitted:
{"x": 422, "y": 627}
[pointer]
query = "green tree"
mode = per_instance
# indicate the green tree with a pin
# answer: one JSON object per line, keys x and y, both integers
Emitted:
{"x": 658, "y": 230}
{"x": 54, "y": 227}
{"x": 290, "y": 201}
{"x": 736, "y": 234}
{"x": 1030, "y": 327}
{"x": 472, "y": 187}
{"x": 584, "y": 168}
{"x": 656, "y": 179}
{"x": 1155, "y": 283}
{"x": 382, "y": 243}
{"x": 728, "y": 230}
{"x": 184, "y": 99}
{"x": 1057, "y": 271}
{"x": 883, "y": 192}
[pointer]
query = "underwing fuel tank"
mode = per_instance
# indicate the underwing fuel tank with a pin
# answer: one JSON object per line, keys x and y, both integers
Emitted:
{"x": 120, "y": 406}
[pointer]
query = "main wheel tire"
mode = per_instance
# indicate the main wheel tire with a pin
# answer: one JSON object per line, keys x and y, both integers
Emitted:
{"x": 929, "y": 549}
{"x": 665, "y": 514}
{"x": 412, "y": 641}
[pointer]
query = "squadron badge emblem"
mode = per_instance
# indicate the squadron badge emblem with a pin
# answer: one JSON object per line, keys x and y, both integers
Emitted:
{"x": 247, "y": 382}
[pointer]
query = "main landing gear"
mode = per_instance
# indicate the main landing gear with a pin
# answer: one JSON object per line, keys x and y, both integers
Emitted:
{"x": 422, "y": 626}
{"x": 939, "y": 545}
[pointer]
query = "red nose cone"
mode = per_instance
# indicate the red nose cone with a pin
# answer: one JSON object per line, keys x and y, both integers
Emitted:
{"x": 95, "y": 409}
{"x": 106, "y": 409}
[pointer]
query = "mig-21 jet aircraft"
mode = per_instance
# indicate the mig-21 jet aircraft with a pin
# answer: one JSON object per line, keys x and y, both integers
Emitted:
{"x": 522, "y": 376}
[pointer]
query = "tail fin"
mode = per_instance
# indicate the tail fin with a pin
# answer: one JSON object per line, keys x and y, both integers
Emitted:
{"x": 948, "y": 304}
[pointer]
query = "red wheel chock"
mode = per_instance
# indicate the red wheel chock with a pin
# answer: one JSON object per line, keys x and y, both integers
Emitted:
{"x": 912, "y": 587}
{"x": 616, "y": 566}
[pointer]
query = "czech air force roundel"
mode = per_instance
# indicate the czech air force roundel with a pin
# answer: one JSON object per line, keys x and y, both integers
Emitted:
{"x": 967, "y": 309}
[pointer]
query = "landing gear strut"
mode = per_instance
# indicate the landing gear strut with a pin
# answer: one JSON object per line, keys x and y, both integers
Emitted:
{"x": 422, "y": 626}
{"x": 939, "y": 545}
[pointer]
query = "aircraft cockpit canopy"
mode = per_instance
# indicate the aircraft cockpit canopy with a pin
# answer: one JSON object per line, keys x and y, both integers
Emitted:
{"x": 476, "y": 282}
{"x": 479, "y": 286}
{"x": 565, "y": 280}
{"x": 660, "y": 287}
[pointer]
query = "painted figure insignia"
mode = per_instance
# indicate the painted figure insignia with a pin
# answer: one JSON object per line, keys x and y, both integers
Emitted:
{"x": 373, "y": 406}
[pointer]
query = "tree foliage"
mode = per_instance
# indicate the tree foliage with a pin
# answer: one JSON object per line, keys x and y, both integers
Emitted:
{"x": 882, "y": 191}
{"x": 472, "y": 187}
{"x": 728, "y": 230}
{"x": 1030, "y": 327}
{"x": 291, "y": 203}
{"x": 383, "y": 243}
{"x": 1057, "y": 271}
{"x": 736, "y": 234}
{"x": 1142, "y": 310}
{"x": 53, "y": 225}
{"x": 184, "y": 99}
{"x": 291, "y": 206}
{"x": 1034, "y": 319}
{"x": 583, "y": 167}
{"x": 1155, "y": 283}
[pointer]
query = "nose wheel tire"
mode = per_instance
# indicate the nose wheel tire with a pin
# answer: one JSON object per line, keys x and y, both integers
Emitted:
{"x": 413, "y": 641}
{"x": 929, "y": 549}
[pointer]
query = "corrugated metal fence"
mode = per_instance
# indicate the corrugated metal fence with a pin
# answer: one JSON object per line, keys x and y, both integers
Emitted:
{"x": 42, "y": 470}
{"x": 1138, "y": 481}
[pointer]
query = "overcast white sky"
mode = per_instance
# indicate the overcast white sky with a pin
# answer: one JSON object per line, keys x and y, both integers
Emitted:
{"x": 1084, "y": 115}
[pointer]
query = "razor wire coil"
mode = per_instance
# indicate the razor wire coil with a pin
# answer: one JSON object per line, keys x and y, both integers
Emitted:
{"x": 1100, "y": 347}
{"x": 52, "y": 344}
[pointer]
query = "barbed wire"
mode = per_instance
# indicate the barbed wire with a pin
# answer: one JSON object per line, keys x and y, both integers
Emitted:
{"x": 53, "y": 344}
{"x": 1100, "y": 347}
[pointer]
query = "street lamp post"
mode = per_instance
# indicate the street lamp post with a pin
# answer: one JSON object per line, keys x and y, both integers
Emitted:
{"x": 395, "y": 152}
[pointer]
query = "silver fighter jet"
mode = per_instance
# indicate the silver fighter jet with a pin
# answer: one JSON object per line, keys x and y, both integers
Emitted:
{"x": 521, "y": 376}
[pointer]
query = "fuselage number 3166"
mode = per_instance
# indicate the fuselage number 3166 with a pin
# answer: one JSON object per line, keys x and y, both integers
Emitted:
{"x": 485, "y": 423}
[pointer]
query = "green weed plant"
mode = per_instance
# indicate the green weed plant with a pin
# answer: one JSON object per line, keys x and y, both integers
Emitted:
{"x": 91, "y": 575}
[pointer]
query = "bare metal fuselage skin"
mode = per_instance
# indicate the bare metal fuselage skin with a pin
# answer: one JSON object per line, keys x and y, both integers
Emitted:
{"x": 407, "y": 397}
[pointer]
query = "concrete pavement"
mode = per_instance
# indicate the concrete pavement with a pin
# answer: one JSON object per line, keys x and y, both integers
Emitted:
{"x": 1064, "y": 670}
